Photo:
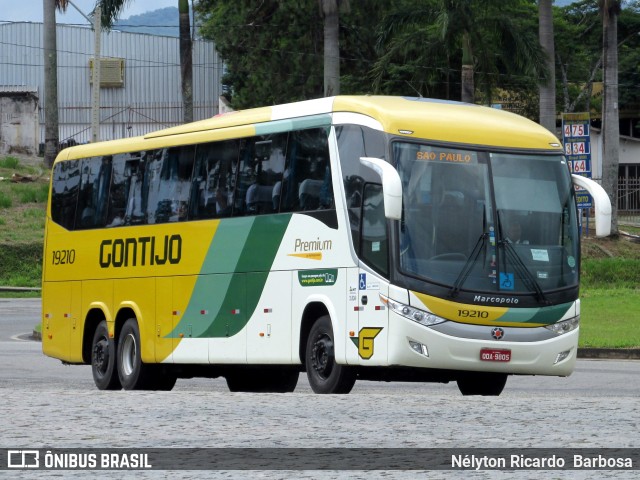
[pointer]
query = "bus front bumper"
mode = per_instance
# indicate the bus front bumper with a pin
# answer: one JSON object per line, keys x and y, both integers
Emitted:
{"x": 414, "y": 345}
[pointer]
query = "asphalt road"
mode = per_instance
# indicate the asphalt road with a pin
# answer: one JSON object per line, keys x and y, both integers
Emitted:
{"x": 47, "y": 404}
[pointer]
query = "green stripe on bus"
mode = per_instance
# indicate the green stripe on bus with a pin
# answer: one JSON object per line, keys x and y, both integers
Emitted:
{"x": 544, "y": 315}
{"x": 234, "y": 275}
{"x": 279, "y": 126}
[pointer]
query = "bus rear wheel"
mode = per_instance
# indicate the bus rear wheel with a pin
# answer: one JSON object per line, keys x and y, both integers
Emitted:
{"x": 324, "y": 374}
{"x": 103, "y": 359}
{"x": 482, "y": 383}
{"x": 134, "y": 374}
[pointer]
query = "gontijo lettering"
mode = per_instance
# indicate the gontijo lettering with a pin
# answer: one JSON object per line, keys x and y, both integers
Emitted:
{"x": 141, "y": 251}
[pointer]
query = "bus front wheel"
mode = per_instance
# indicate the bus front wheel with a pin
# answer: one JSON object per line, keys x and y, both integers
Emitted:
{"x": 482, "y": 383}
{"x": 103, "y": 359}
{"x": 324, "y": 374}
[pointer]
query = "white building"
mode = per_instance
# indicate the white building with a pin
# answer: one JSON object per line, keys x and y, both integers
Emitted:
{"x": 140, "y": 79}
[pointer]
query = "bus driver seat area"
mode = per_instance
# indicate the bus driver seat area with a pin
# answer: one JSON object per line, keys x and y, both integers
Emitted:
{"x": 450, "y": 224}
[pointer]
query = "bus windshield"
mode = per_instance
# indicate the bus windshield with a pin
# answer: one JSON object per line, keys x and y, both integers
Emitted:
{"x": 487, "y": 221}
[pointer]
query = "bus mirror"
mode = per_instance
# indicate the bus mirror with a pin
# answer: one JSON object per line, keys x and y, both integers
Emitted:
{"x": 601, "y": 204}
{"x": 391, "y": 186}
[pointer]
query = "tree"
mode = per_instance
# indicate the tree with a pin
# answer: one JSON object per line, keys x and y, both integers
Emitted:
{"x": 486, "y": 38}
{"x": 610, "y": 9}
{"x": 331, "y": 15}
{"x": 51, "y": 133}
{"x": 186, "y": 61}
{"x": 547, "y": 89}
{"x": 111, "y": 9}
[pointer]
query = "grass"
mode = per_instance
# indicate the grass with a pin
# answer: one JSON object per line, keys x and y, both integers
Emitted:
{"x": 22, "y": 205}
{"x": 610, "y": 274}
{"x": 609, "y": 318}
{"x": 9, "y": 162}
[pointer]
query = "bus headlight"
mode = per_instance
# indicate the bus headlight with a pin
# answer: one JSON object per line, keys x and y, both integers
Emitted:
{"x": 565, "y": 326}
{"x": 419, "y": 316}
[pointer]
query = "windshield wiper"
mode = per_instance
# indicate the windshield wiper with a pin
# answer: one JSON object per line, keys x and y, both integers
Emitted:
{"x": 523, "y": 272}
{"x": 468, "y": 266}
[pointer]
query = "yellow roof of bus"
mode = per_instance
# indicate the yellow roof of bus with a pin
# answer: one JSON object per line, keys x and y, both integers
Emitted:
{"x": 428, "y": 119}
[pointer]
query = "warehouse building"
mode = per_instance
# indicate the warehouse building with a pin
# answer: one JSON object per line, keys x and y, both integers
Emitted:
{"x": 140, "y": 84}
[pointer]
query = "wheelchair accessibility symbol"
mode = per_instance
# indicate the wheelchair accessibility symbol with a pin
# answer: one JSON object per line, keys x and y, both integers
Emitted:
{"x": 506, "y": 281}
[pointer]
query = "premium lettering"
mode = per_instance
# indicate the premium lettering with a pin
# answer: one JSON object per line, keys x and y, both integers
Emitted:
{"x": 141, "y": 251}
{"x": 313, "y": 245}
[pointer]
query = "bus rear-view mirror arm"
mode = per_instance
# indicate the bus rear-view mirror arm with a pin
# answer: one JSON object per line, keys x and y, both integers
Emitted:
{"x": 601, "y": 204}
{"x": 391, "y": 186}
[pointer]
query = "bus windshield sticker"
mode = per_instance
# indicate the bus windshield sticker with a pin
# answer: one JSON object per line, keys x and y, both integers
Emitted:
{"x": 540, "y": 255}
{"x": 506, "y": 281}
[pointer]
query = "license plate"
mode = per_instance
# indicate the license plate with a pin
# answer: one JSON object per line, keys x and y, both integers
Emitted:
{"x": 495, "y": 355}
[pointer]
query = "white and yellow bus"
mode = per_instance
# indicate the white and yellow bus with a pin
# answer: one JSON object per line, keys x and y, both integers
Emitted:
{"x": 374, "y": 238}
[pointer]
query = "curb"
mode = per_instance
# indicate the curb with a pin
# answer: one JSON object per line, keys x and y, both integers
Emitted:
{"x": 20, "y": 289}
{"x": 610, "y": 353}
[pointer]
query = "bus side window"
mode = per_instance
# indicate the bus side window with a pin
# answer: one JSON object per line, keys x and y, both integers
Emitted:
{"x": 374, "y": 244}
{"x": 118, "y": 191}
{"x": 66, "y": 182}
{"x": 355, "y": 142}
{"x": 170, "y": 185}
{"x": 214, "y": 180}
{"x": 261, "y": 168}
{"x": 307, "y": 183}
{"x": 94, "y": 191}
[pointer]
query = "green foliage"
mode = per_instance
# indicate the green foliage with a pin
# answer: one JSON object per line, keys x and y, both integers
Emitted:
{"x": 578, "y": 42}
{"x": 5, "y": 200}
{"x": 29, "y": 193}
{"x": 21, "y": 264}
{"x": 274, "y": 52}
{"x": 22, "y": 205}
{"x": 609, "y": 318}
{"x": 9, "y": 162}
{"x": 610, "y": 273}
{"x": 502, "y": 46}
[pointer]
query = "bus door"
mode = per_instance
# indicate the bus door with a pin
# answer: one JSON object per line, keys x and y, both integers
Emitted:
{"x": 370, "y": 338}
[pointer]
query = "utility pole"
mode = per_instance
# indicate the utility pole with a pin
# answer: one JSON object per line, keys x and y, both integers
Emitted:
{"x": 95, "y": 84}
{"x": 51, "y": 135}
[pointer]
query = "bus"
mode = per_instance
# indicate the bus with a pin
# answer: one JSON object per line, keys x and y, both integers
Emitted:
{"x": 351, "y": 237}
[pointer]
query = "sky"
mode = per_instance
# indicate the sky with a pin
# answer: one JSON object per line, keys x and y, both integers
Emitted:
{"x": 31, "y": 10}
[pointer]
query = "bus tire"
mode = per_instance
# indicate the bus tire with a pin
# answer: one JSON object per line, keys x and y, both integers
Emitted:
{"x": 324, "y": 374}
{"x": 482, "y": 383}
{"x": 133, "y": 373}
{"x": 103, "y": 359}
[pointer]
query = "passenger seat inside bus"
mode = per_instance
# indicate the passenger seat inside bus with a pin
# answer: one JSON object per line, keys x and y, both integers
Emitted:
{"x": 309, "y": 194}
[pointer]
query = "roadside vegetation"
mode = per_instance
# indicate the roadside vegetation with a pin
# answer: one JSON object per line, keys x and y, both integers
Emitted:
{"x": 610, "y": 290}
{"x": 24, "y": 186}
